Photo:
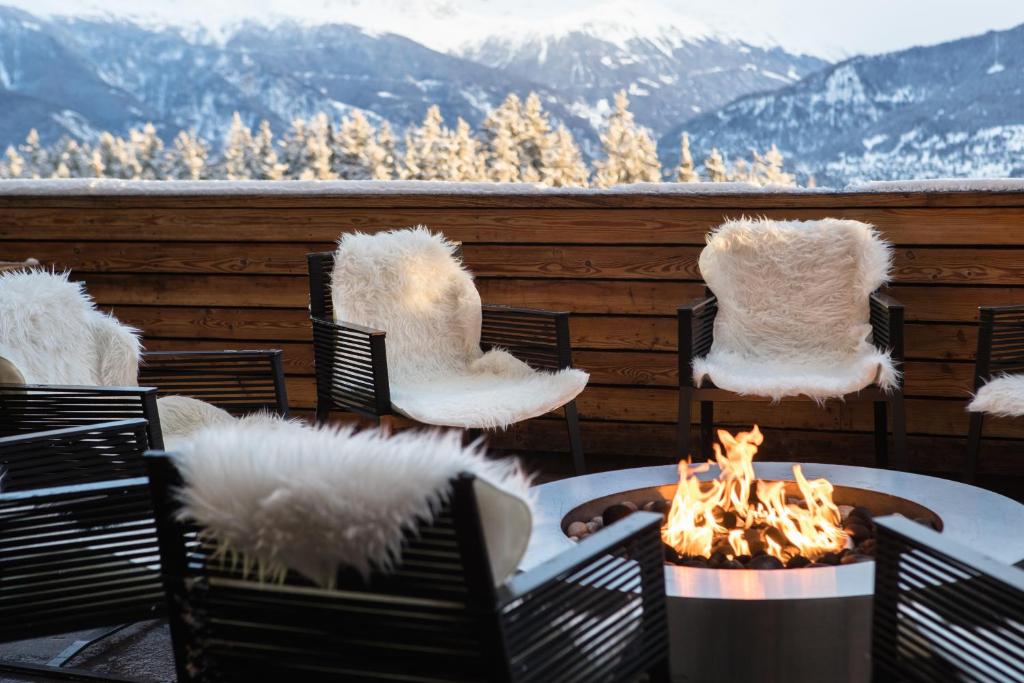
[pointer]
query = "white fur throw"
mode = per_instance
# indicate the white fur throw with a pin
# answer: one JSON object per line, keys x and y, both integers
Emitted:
{"x": 279, "y": 497}
{"x": 1002, "y": 396}
{"x": 52, "y": 333}
{"x": 409, "y": 284}
{"x": 793, "y": 308}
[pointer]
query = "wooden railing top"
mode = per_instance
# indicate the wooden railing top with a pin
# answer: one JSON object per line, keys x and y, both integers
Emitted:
{"x": 94, "y": 193}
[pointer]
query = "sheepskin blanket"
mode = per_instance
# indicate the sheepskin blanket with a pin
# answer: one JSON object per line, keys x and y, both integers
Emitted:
{"x": 52, "y": 333}
{"x": 409, "y": 284}
{"x": 1002, "y": 396}
{"x": 281, "y": 496}
{"x": 793, "y": 308}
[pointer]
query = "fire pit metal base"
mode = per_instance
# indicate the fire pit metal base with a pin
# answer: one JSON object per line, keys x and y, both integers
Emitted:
{"x": 796, "y": 624}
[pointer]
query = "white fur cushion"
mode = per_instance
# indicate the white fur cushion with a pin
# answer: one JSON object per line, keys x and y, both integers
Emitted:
{"x": 793, "y": 308}
{"x": 286, "y": 496}
{"x": 409, "y": 284}
{"x": 1002, "y": 396}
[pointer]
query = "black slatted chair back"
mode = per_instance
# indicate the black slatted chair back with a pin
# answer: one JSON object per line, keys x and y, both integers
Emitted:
{"x": 26, "y": 409}
{"x": 434, "y": 619}
{"x": 1000, "y": 341}
{"x": 237, "y": 381}
{"x": 81, "y": 555}
{"x": 943, "y": 612}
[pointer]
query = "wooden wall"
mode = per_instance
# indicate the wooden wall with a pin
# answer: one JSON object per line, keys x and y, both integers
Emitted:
{"x": 222, "y": 271}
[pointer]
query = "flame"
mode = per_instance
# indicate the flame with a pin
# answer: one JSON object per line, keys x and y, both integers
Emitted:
{"x": 735, "y": 511}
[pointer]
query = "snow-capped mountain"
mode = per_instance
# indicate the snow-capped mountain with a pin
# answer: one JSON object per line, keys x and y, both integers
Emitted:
{"x": 79, "y": 75}
{"x": 950, "y": 110}
{"x": 673, "y": 67}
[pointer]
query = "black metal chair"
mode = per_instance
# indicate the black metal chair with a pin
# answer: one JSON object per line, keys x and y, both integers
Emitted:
{"x": 943, "y": 612}
{"x": 696, "y": 334}
{"x": 78, "y": 543}
{"x": 1000, "y": 350}
{"x": 351, "y": 360}
{"x": 593, "y": 613}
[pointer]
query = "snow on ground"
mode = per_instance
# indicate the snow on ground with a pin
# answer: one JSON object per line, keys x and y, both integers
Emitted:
{"x": 942, "y": 185}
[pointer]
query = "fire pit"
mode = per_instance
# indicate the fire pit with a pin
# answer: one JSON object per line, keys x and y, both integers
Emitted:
{"x": 798, "y": 624}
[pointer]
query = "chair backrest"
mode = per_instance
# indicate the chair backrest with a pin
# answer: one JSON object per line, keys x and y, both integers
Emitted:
{"x": 52, "y": 333}
{"x": 410, "y": 284}
{"x": 81, "y": 555}
{"x": 943, "y": 612}
{"x": 433, "y": 619}
{"x": 793, "y": 288}
{"x": 1000, "y": 342}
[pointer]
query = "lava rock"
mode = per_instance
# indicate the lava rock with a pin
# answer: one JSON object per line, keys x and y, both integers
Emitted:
{"x": 614, "y": 513}
{"x": 861, "y": 514}
{"x": 694, "y": 561}
{"x": 717, "y": 559}
{"x": 816, "y": 565}
{"x": 630, "y": 504}
{"x": 743, "y": 559}
{"x": 755, "y": 540}
{"x": 731, "y": 564}
{"x": 594, "y": 527}
{"x": 868, "y": 547}
{"x": 854, "y": 558}
{"x": 858, "y": 531}
{"x": 765, "y": 562}
{"x": 577, "y": 529}
{"x": 797, "y": 561}
{"x": 844, "y": 511}
{"x": 728, "y": 519}
{"x": 829, "y": 559}
{"x": 662, "y": 506}
{"x": 670, "y": 554}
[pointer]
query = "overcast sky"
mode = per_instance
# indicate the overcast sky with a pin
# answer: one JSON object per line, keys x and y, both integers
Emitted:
{"x": 830, "y": 28}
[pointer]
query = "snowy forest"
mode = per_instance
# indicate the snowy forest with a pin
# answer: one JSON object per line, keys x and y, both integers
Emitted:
{"x": 517, "y": 143}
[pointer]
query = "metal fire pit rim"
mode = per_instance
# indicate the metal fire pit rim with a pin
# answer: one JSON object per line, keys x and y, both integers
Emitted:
{"x": 971, "y": 515}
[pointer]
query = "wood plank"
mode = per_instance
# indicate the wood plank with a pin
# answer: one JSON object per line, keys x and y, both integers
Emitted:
{"x": 262, "y": 291}
{"x": 952, "y": 304}
{"x": 981, "y": 226}
{"x": 235, "y": 324}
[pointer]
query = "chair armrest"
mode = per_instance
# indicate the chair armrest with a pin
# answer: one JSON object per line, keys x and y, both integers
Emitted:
{"x": 887, "y": 325}
{"x": 43, "y": 407}
{"x": 237, "y": 381}
{"x": 534, "y": 336}
{"x": 351, "y": 367}
{"x": 73, "y": 455}
{"x": 696, "y": 323}
{"x": 606, "y": 593}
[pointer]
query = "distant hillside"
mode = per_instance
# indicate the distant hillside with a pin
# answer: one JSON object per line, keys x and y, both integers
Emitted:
{"x": 949, "y": 110}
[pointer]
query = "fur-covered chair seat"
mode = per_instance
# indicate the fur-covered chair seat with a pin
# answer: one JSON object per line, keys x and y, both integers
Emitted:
{"x": 409, "y": 284}
{"x": 793, "y": 308}
{"x": 51, "y": 333}
{"x": 1002, "y": 396}
{"x": 285, "y": 497}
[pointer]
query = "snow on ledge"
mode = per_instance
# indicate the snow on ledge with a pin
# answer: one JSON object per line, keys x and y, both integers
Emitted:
{"x": 942, "y": 185}
{"x": 111, "y": 187}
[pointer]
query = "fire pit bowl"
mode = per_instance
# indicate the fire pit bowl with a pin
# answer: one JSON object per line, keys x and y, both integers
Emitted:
{"x": 790, "y": 625}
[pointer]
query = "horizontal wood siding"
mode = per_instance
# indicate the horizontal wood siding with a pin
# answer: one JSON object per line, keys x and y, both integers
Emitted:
{"x": 223, "y": 271}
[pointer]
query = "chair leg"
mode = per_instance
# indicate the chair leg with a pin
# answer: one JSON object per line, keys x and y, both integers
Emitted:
{"x": 683, "y": 422}
{"x": 899, "y": 431}
{"x": 707, "y": 428}
{"x": 572, "y": 422}
{"x": 323, "y": 411}
{"x": 881, "y": 434}
{"x": 973, "y": 447}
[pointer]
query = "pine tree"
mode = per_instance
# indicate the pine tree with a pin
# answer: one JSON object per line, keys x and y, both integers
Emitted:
{"x": 186, "y": 159}
{"x": 238, "y": 155}
{"x": 384, "y": 161}
{"x": 503, "y": 132}
{"x": 630, "y": 153}
{"x": 148, "y": 150}
{"x": 535, "y": 140}
{"x": 685, "y": 172}
{"x": 267, "y": 166}
{"x": 318, "y": 152}
{"x": 73, "y": 160}
{"x": 427, "y": 148}
{"x": 117, "y": 158}
{"x": 293, "y": 148}
{"x": 768, "y": 168}
{"x": 465, "y": 163}
{"x": 742, "y": 172}
{"x": 355, "y": 148}
{"x": 13, "y": 166}
{"x": 563, "y": 163}
{"x": 714, "y": 166}
{"x": 37, "y": 157}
